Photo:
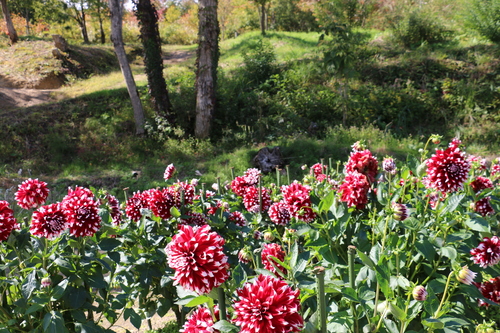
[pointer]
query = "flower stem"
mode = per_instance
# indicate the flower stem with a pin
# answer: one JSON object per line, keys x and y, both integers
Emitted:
{"x": 221, "y": 295}
{"x": 320, "y": 273}
{"x": 436, "y": 314}
{"x": 351, "y": 252}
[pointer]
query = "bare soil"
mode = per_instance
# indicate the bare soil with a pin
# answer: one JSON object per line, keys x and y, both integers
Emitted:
{"x": 12, "y": 96}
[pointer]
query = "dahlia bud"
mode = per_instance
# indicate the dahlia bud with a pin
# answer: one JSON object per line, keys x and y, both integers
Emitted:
{"x": 257, "y": 234}
{"x": 419, "y": 293}
{"x": 289, "y": 235}
{"x": 46, "y": 282}
{"x": 244, "y": 255}
{"x": 304, "y": 167}
{"x": 169, "y": 172}
{"x": 389, "y": 165}
{"x": 268, "y": 236}
{"x": 400, "y": 211}
{"x": 436, "y": 139}
{"x": 194, "y": 182}
{"x": 466, "y": 276}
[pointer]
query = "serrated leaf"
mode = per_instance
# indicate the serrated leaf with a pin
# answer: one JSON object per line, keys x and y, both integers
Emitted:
{"x": 452, "y": 203}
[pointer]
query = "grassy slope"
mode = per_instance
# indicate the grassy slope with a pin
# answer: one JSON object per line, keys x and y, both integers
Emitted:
{"x": 88, "y": 138}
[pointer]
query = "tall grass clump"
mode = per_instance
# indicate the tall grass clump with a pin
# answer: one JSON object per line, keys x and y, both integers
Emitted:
{"x": 484, "y": 17}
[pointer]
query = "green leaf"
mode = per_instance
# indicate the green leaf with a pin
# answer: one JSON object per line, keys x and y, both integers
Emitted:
{"x": 197, "y": 301}
{"x": 426, "y": 249}
{"x": 383, "y": 278}
{"x": 109, "y": 244}
{"x": 175, "y": 212}
{"x": 135, "y": 319}
{"x": 225, "y": 326}
{"x": 397, "y": 312}
{"x": 421, "y": 169}
{"x": 433, "y": 323}
{"x": 239, "y": 275}
{"x": 449, "y": 252}
{"x": 34, "y": 308}
{"x": 366, "y": 259}
{"x": 29, "y": 285}
{"x": 350, "y": 294}
{"x": 59, "y": 290}
{"x": 478, "y": 224}
{"x": 53, "y": 322}
{"x": 327, "y": 202}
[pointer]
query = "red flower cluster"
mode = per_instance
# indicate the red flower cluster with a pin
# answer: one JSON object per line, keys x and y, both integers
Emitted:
{"x": 268, "y": 305}
{"x": 160, "y": 201}
{"x": 7, "y": 221}
{"x": 195, "y": 218}
{"x": 273, "y": 250}
{"x": 484, "y": 207}
{"x": 114, "y": 209}
{"x": 32, "y": 193}
{"x": 490, "y": 290}
{"x": 196, "y": 254}
{"x": 364, "y": 163}
{"x": 240, "y": 184}
{"x": 200, "y": 321}
{"x": 296, "y": 196}
{"x": 134, "y": 206}
{"x": 487, "y": 253}
{"x": 481, "y": 183}
{"x": 238, "y": 218}
{"x": 448, "y": 169}
{"x": 251, "y": 199}
{"x": 81, "y": 210}
{"x": 317, "y": 170}
{"x": 279, "y": 213}
{"x": 354, "y": 190}
{"x": 48, "y": 221}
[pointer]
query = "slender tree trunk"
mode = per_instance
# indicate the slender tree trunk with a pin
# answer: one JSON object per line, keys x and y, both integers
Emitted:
{"x": 10, "y": 26}
{"x": 80, "y": 17}
{"x": 207, "y": 62}
{"x": 150, "y": 36}
{"x": 115, "y": 8}
{"x": 27, "y": 18}
{"x": 99, "y": 14}
{"x": 263, "y": 18}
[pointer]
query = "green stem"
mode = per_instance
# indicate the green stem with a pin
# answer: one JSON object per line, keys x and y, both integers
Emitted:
{"x": 320, "y": 272}
{"x": 351, "y": 253}
{"x": 436, "y": 314}
{"x": 221, "y": 295}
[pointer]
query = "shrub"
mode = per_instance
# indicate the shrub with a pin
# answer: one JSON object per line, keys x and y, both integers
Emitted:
{"x": 484, "y": 17}
{"x": 259, "y": 62}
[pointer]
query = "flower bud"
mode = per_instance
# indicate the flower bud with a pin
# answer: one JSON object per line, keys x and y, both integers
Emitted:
{"x": 289, "y": 235}
{"x": 436, "y": 139}
{"x": 46, "y": 282}
{"x": 419, "y": 293}
{"x": 389, "y": 165}
{"x": 244, "y": 255}
{"x": 466, "y": 276}
{"x": 400, "y": 211}
{"x": 268, "y": 236}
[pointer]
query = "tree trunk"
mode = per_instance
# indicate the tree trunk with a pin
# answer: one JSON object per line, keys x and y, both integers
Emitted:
{"x": 207, "y": 62}
{"x": 115, "y": 8}
{"x": 153, "y": 61}
{"x": 99, "y": 14}
{"x": 8, "y": 21}
{"x": 263, "y": 18}
{"x": 27, "y": 18}
{"x": 80, "y": 17}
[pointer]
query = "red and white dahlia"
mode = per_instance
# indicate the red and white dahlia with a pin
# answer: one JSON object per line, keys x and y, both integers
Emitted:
{"x": 169, "y": 172}
{"x": 354, "y": 190}
{"x": 273, "y": 250}
{"x": 81, "y": 210}
{"x": 487, "y": 253}
{"x": 195, "y": 218}
{"x": 279, "y": 213}
{"x": 238, "y": 218}
{"x": 484, "y": 207}
{"x": 48, "y": 221}
{"x": 296, "y": 196}
{"x": 268, "y": 305}
{"x": 448, "y": 169}
{"x": 363, "y": 162}
{"x": 490, "y": 290}
{"x": 200, "y": 321}
{"x": 481, "y": 183}
{"x": 389, "y": 165}
{"x": 7, "y": 221}
{"x": 160, "y": 201}
{"x": 134, "y": 206}
{"x": 251, "y": 199}
{"x": 32, "y": 193}
{"x": 114, "y": 209}
{"x": 196, "y": 254}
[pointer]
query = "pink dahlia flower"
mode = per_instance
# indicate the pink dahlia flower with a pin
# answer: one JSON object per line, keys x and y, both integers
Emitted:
{"x": 169, "y": 172}
{"x": 296, "y": 196}
{"x": 238, "y": 218}
{"x": 268, "y": 305}
{"x": 495, "y": 169}
{"x": 363, "y": 162}
{"x": 196, "y": 254}
{"x": 7, "y": 221}
{"x": 134, "y": 206}
{"x": 273, "y": 250}
{"x": 32, "y": 193}
{"x": 354, "y": 190}
{"x": 279, "y": 213}
{"x": 251, "y": 199}
{"x": 483, "y": 207}
{"x": 81, "y": 210}
{"x": 200, "y": 321}
{"x": 490, "y": 290}
{"x": 448, "y": 169}
{"x": 48, "y": 221}
{"x": 389, "y": 165}
{"x": 487, "y": 253}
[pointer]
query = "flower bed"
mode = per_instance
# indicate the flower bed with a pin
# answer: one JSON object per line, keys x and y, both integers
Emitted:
{"x": 405, "y": 247}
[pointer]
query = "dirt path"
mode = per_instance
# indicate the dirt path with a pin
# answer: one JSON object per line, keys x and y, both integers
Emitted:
{"x": 13, "y": 98}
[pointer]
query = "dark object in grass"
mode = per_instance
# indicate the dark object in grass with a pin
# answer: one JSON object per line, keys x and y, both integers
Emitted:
{"x": 268, "y": 160}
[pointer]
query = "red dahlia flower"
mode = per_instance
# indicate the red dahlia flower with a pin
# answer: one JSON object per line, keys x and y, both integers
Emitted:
{"x": 296, "y": 196}
{"x": 114, "y": 209}
{"x": 268, "y": 305}
{"x": 448, "y": 169}
{"x": 251, "y": 199}
{"x": 169, "y": 172}
{"x": 195, "y": 218}
{"x": 273, "y": 250}
{"x": 188, "y": 191}
{"x": 481, "y": 183}
{"x": 134, "y": 206}
{"x": 279, "y": 213}
{"x": 484, "y": 207}
{"x": 81, "y": 210}
{"x": 200, "y": 321}
{"x": 252, "y": 176}
{"x": 32, "y": 193}
{"x": 197, "y": 256}
{"x": 48, "y": 221}
{"x": 363, "y": 162}
{"x": 7, "y": 221}
{"x": 490, "y": 290}
{"x": 238, "y": 218}
{"x": 160, "y": 201}
{"x": 354, "y": 190}
{"x": 487, "y": 253}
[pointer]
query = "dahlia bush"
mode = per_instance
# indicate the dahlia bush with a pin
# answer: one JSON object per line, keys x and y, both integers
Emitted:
{"x": 380, "y": 245}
